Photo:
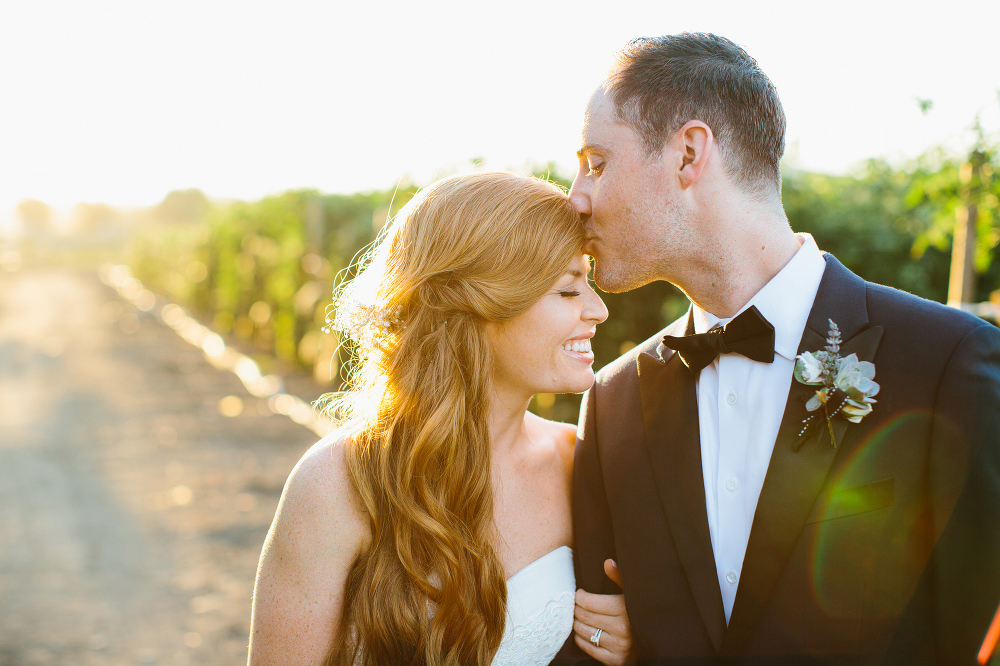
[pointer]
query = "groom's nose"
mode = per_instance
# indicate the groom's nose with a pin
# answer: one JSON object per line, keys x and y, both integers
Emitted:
{"x": 579, "y": 196}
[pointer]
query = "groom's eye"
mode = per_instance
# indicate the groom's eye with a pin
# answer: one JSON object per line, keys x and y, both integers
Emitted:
{"x": 596, "y": 169}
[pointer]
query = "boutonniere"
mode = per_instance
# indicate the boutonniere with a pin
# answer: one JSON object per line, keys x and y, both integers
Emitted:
{"x": 847, "y": 383}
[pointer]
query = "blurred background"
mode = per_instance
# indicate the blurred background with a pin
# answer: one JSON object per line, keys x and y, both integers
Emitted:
{"x": 181, "y": 183}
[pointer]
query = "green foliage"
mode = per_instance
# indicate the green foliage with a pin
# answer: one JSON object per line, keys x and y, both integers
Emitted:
{"x": 944, "y": 188}
{"x": 866, "y": 222}
{"x": 264, "y": 271}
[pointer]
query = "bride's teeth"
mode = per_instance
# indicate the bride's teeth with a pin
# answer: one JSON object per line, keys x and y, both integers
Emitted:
{"x": 582, "y": 346}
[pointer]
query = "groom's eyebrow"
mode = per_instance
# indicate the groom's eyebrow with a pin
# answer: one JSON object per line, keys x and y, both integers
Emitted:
{"x": 589, "y": 148}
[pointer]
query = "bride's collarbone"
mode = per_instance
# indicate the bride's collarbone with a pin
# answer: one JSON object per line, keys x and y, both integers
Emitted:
{"x": 531, "y": 517}
{"x": 531, "y": 494}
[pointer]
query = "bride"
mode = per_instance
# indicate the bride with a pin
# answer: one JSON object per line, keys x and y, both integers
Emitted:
{"x": 433, "y": 526}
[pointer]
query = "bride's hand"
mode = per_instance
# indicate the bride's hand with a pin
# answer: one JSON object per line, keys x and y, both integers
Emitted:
{"x": 607, "y": 613}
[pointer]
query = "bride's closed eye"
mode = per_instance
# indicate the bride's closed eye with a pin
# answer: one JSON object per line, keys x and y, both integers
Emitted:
{"x": 568, "y": 293}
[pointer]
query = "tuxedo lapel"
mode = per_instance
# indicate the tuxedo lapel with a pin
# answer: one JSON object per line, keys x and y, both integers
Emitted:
{"x": 670, "y": 420}
{"x": 800, "y": 461}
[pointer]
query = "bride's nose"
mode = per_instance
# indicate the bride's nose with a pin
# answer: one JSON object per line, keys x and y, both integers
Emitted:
{"x": 595, "y": 310}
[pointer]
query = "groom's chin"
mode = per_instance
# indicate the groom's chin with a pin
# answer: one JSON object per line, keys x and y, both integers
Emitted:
{"x": 613, "y": 280}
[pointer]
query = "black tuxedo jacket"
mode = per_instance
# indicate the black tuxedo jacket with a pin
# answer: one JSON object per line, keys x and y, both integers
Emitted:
{"x": 885, "y": 549}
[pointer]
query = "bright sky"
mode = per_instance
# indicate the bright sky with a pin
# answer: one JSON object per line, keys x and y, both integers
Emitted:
{"x": 121, "y": 101}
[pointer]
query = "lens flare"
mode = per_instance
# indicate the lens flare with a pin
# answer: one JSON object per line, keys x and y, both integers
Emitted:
{"x": 853, "y": 540}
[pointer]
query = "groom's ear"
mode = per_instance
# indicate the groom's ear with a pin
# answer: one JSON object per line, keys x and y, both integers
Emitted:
{"x": 694, "y": 140}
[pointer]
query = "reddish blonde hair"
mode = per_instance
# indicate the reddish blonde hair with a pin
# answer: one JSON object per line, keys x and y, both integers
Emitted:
{"x": 466, "y": 251}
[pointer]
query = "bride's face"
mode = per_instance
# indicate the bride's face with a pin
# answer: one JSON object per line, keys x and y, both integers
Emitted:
{"x": 546, "y": 349}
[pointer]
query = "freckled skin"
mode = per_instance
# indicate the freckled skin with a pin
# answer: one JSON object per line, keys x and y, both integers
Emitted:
{"x": 527, "y": 349}
{"x": 317, "y": 532}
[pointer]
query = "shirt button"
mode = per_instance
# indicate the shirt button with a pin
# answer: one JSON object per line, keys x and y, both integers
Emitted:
{"x": 731, "y": 577}
{"x": 731, "y": 398}
{"x": 732, "y": 484}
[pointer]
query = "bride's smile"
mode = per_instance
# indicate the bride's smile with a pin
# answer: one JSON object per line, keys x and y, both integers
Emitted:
{"x": 546, "y": 349}
{"x": 580, "y": 348}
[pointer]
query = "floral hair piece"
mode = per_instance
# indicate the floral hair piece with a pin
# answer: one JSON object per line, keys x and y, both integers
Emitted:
{"x": 361, "y": 321}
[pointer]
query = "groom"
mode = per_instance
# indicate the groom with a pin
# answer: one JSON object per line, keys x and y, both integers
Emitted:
{"x": 744, "y": 524}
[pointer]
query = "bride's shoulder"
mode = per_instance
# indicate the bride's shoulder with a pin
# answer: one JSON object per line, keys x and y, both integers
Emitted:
{"x": 319, "y": 503}
{"x": 323, "y": 466}
{"x": 561, "y": 435}
{"x": 317, "y": 533}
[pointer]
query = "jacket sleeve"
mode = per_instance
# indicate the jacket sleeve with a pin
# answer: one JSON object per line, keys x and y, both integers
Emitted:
{"x": 958, "y": 593}
{"x": 593, "y": 539}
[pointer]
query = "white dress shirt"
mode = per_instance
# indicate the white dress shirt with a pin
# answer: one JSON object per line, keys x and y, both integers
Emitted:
{"x": 740, "y": 406}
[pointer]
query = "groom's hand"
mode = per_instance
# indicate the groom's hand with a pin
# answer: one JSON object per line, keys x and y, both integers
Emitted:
{"x": 606, "y": 612}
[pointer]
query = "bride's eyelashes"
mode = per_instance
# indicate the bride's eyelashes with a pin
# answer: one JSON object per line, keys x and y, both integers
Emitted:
{"x": 568, "y": 293}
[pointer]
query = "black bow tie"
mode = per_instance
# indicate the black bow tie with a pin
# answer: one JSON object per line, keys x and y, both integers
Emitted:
{"x": 748, "y": 334}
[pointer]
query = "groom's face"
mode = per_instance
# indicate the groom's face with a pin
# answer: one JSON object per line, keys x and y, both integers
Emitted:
{"x": 628, "y": 201}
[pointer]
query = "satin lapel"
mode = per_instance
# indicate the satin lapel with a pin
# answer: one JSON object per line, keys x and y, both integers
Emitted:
{"x": 799, "y": 463}
{"x": 670, "y": 419}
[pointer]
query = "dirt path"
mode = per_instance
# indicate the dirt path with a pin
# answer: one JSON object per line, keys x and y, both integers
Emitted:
{"x": 131, "y": 513}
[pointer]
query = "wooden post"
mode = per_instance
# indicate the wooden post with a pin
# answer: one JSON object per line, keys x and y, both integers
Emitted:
{"x": 962, "y": 281}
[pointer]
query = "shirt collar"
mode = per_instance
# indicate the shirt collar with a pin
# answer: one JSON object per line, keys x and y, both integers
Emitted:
{"x": 785, "y": 301}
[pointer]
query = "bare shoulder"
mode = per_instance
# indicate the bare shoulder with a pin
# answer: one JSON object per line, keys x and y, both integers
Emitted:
{"x": 318, "y": 531}
{"x": 319, "y": 503}
{"x": 562, "y": 436}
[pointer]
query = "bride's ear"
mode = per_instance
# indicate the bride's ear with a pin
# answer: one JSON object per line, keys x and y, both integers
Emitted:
{"x": 694, "y": 140}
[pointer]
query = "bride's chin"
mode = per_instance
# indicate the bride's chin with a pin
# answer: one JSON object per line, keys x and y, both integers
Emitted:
{"x": 583, "y": 384}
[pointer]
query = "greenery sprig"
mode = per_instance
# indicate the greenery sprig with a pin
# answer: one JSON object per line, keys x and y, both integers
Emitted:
{"x": 847, "y": 383}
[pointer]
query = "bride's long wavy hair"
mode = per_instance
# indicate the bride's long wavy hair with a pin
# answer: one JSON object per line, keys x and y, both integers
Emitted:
{"x": 468, "y": 250}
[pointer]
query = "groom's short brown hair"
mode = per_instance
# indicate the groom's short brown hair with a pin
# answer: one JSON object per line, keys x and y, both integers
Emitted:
{"x": 660, "y": 83}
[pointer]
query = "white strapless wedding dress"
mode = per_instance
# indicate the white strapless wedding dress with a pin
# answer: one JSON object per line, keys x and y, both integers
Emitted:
{"x": 539, "y": 610}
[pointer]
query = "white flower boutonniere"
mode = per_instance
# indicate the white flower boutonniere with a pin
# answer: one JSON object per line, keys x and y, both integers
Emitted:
{"x": 847, "y": 383}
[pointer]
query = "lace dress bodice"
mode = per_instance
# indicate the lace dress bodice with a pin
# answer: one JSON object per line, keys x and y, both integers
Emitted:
{"x": 539, "y": 610}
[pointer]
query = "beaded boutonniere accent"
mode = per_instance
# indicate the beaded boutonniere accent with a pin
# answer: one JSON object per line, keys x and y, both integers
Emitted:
{"x": 846, "y": 384}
